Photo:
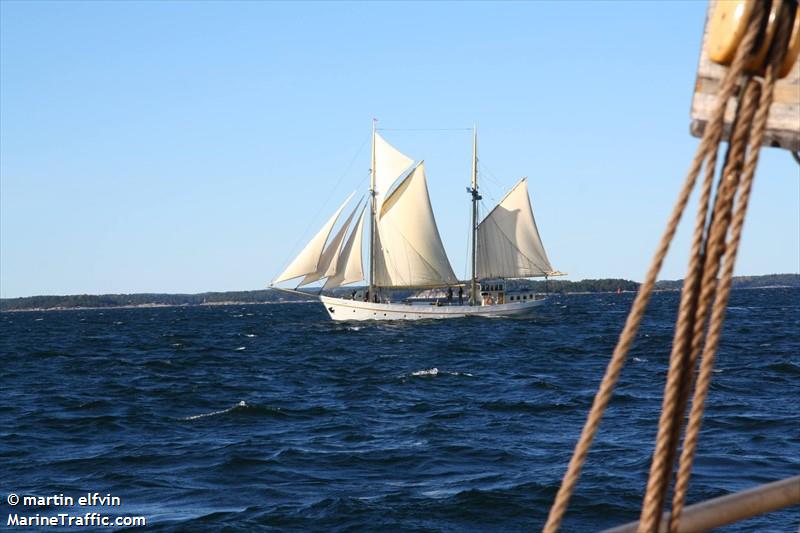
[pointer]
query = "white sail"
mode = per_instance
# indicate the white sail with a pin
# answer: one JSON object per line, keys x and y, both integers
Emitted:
{"x": 308, "y": 259}
{"x": 349, "y": 265}
{"x": 327, "y": 261}
{"x": 508, "y": 244}
{"x": 390, "y": 164}
{"x": 409, "y": 251}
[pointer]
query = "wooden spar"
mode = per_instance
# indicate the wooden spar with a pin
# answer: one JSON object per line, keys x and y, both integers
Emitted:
{"x": 473, "y": 287}
{"x": 783, "y": 125}
{"x": 294, "y": 291}
{"x": 370, "y": 285}
{"x": 731, "y": 508}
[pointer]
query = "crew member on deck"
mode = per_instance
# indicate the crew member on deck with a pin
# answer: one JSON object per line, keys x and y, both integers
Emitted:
{"x": 449, "y": 295}
{"x": 460, "y": 296}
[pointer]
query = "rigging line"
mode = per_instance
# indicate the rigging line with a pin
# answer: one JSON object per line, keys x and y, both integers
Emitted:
{"x": 311, "y": 220}
{"x": 491, "y": 175}
{"x": 492, "y": 179}
{"x": 423, "y": 129}
{"x": 491, "y": 193}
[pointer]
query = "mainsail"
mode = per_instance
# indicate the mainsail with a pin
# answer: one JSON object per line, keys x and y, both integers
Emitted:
{"x": 409, "y": 251}
{"x": 327, "y": 261}
{"x": 349, "y": 265}
{"x": 308, "y": 259}
{"x": 508, "y": 244}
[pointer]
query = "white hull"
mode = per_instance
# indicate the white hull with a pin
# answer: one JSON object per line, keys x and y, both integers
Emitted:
{"x": 342, "y": 309}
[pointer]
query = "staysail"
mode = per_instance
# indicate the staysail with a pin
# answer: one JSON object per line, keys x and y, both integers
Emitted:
{"x": 508, "y": 244}
{"x": 308, "y": 259}
{"x": 327, "y": 261}
{"x": 349, "y": 265}
{"x": 409, "y": 251}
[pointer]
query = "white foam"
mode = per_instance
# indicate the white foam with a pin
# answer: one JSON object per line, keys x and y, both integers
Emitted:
{"x": 240, "y": 348}
{"x": 250, "y": 335}
{"x": 214, "y": 413}
{"x": 435, "y": 372}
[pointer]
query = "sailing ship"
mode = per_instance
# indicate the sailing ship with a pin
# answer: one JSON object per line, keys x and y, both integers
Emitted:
{"x": 406, "y": 252}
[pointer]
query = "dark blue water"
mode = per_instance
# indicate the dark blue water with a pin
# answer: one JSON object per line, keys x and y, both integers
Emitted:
{"x": 274, "y": 417}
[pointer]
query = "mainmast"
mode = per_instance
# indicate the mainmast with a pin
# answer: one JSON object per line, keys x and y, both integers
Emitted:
{"x": 372, "y": 217}
{"x": 473, "y": 290}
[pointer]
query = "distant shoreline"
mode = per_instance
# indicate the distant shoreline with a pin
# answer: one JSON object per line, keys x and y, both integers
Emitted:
{"x": 151, "y": 306}
{"x": 273, "y": 297}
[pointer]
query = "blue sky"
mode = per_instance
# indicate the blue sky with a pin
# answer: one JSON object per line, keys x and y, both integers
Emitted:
{"x": 193, "y": 146}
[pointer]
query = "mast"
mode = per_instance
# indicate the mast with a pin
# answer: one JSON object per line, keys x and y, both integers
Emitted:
{"x": 473, "y": 290}
{"x": 372, "y": 216}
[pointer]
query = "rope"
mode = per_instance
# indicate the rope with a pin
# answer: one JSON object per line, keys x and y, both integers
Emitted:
{"x": 706, "y": 150}
{"x": 328, "y": 197}
{"x": 681, "y": 367}
{"x": 730, "y": 252}
{"x": 423, "y": 129}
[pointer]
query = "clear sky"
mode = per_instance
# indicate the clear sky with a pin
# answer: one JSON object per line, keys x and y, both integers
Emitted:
{"x": 192, "y": 146}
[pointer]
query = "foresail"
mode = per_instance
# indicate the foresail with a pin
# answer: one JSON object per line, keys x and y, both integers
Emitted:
{"x": 410, "y": 251}
{"x": 390, "y": 164}
{"x": 508, "y": 243}
{"x": 327, "y": 262}
{"x": 308, "y": 259}
{"x": 349, "y": 265}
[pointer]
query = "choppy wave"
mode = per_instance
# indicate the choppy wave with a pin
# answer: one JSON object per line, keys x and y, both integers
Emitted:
{"x": 274, "y": 417}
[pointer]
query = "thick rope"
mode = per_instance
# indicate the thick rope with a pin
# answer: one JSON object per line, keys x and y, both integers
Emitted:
{"x": 708, "y": 145}
{"x": 671, "y": 415}
{"x": 681, "y": 360}
{"x": 723, "y": 292}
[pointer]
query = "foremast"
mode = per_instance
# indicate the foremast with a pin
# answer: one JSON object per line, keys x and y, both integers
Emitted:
{"x": 473, "y": 191}
{"x": 370, "y": 288}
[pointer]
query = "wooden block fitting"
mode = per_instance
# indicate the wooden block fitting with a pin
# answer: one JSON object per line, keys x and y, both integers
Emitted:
{"x": 783, "y": 124}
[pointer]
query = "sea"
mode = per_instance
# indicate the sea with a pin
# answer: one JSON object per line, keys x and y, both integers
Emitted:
{"x": 272, "y": 417}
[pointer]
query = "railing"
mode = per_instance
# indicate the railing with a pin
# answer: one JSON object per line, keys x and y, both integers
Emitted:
{"x": 731, "y": 508}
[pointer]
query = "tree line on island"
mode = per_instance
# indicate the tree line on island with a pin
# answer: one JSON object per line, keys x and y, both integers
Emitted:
{"x": 79, "y": 301}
